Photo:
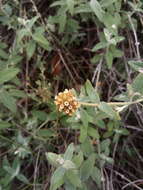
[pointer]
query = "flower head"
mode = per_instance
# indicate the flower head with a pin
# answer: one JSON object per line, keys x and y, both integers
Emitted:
{"x": 66, "y": 102}
{"x": 43, "y": 93}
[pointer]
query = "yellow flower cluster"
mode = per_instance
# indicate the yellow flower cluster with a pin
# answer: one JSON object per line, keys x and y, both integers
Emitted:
{"x": 66, "y": 102}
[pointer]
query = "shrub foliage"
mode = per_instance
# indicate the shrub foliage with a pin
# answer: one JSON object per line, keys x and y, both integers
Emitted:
{"x": 84, "y": 138}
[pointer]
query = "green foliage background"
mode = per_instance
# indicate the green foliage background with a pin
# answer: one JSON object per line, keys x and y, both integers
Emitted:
{"x": 94, "y": 47}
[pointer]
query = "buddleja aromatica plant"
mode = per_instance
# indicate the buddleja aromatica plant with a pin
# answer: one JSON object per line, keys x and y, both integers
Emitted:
{"x": 81, "y": 167}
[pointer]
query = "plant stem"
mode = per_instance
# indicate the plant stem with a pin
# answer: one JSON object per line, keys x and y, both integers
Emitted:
{"x": 111, "y": 103}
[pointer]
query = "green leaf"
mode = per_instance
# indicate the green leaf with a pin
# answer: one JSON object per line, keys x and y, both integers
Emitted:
{"x": 108, "y": 110}
{"x": 69, "y": 152}
{"x": 57, "y": 3}
{"x": 4, "y": 125}
{"x": 3, "y": 45}
{"x": 17, "y": 93}
{"x": 93, "y": 95}
{"x": 83, "y": 8}
{"x": 14, "y": 170}
{"x": 22, "y": 178}
{"x": 117, "y": 52}
{"x": 119, "y": 39}
{"x": 73, "y": 178}
{"x": 112, "y": 22}
{"x": 116, "y": 40}
{"x": 87, "y": 167}
{"x": 87, "y": 147}
{"x": 8, "y": 74}
{"x": 21, "y": 33}
{"x": 100, "y": 45}
{"x": 78, "y": 159}
{"x": 3, "y": 54}
{"x": 62, "y": 22}
{"x": 108, "y": 134}
{"x": 30, "y": 49}
{"x": 84, "y": 187}
{"x": 122, "y": 131}
{"x": 45, "y": 133}
{"x": 136, "y": 65}
{"x": 118, "y": 5}
{"x": 70, "y": 4}
{"x": 41, "y": 115}
{"x": 97, "y": 9}
{"x": 57, "y": 178}
{"x": 69, "y": 186}
{"x": 111, "y": 125}
{"x": 8, "y": 101}
{"x": 96, "y": 176}
{"x": 100, "y": 123}
{"x": 109, "y": 59}
{"x": 93, "y": 133}
{"x": 16, "y": 165}
{"x": 68, "y": 165}
{"x": 106, "y": 158}
{"x": 137, "y": 84}
{"x": 106, "y": 3}
{"x": 41, "y": 40}
{"x": 9, "y": 170}
{"x": 105, "y": 145}
{"x": 107, "y": 34}
{"x": 14, "y": 59}
{"x": 85, "y": 117}
{"x": 54, "y": 159}
{"x": 31, "y": 22}
{"x": 83, "y": 133}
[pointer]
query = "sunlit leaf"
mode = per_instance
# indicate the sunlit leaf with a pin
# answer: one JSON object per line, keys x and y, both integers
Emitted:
{"x": 97, "y": 9}
{"x": 7, "y": 74}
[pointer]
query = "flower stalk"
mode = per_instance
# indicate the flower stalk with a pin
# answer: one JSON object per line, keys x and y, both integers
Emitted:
{"x": 111, "y": 103}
